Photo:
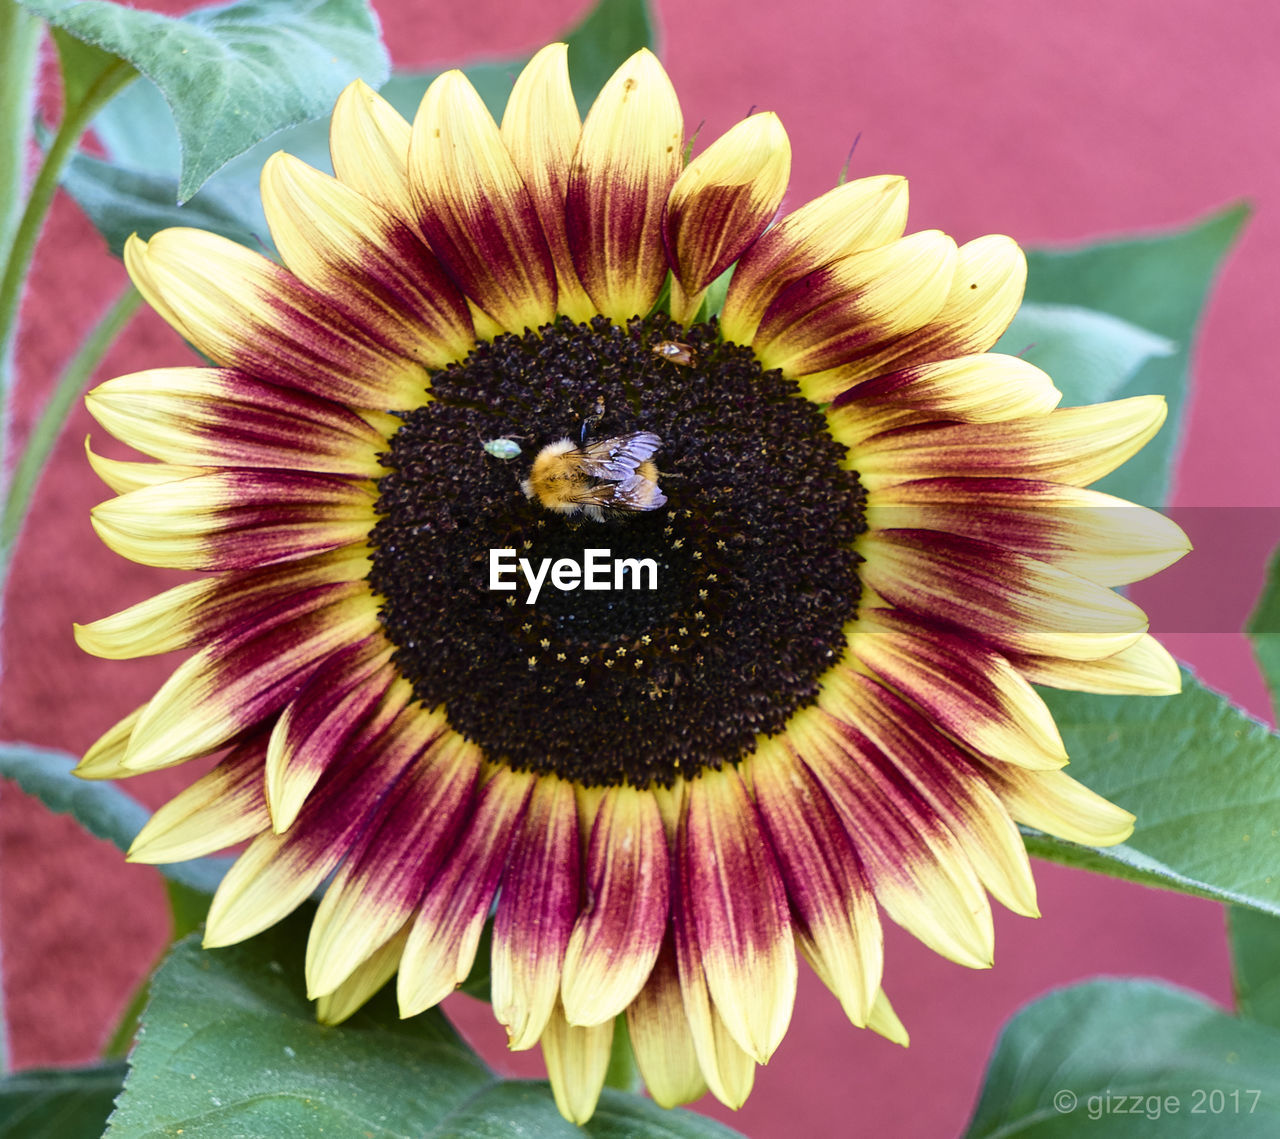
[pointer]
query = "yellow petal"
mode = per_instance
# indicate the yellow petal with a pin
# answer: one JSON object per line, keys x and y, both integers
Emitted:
{"x": 159, "y": 624}
{"x": 577, "y": 1061}
{"x": 1014, "y": 602}
{"x": 990, "y": 388}
{"x": 445, "y": 936}
{"x": 347, "y": 702}
{"x": 402, "y": 844}
{"x": 885, "y": 1021}
{"x": 215, "y": 417}
{"x": 729, "y": 1072}
{"x": 475, "y": 210}
{"x": 990, "y": 276}
{"x": 265, "y": 884}
{"x": 853, "y": 306}
{"x": 837, "y": 924}
{"x": 243, "y": 310}
{"x": 921, "y": 874}
{"x": 748, "y": 953}
{"x": 1145, "y": 668}
{"x": 369, "y": 144}
{"x": 541, "y": 128}
{"x": 627, "y": 161}
{"x": 221, "y": 809}
{"x": 661, "y": 1036}
{"x": 617, "y": 937}
{"x": 235, "y": 519}
{"x": 859, "y": 215}
{"x": 536, "y": 912}
{"x": 105, "y": 757}
{"x": 123, "y": 476}
{"x": 920, "y": 763}
{"x": 1095, "y": 536}
{"x": 1053, "y": 802}
{"x": 1074, "y": 445}
{"x": 964, "y": 686}
{"x": 223, "y": 689}
{"x": 367, "y": 978}
{"x": 344, "y": 245}
{"x": 722, "y": 202}
{"x": 277, "y": 873}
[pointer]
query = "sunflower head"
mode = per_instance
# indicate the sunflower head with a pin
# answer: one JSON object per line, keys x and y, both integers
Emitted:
{"x": 693, "y": 633}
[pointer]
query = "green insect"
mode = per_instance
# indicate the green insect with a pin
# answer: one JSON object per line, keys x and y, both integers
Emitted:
{"x": 502, "y": 448}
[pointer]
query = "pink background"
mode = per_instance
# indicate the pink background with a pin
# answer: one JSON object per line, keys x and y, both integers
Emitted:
{"x": 1053, "y": 123}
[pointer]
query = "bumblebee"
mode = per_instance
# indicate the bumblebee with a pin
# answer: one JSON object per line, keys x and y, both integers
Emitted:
{"x": 615, "y": 475}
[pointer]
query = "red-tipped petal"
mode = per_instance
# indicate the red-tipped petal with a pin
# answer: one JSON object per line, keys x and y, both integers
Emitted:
{"x": 380, "y": 885}
{"x": 661, "y": 1036}
{"x": 918, "y": 869}
{"x": 722, "y": 202}
{"x": 859, "y": 215}
{"x": 748, "y": 954}
{"x": 320, "y": 723}
{"x": 475, "y": 210}
{"x": 965, "y": 687}
{"x": 835, "y": 910}
{"x": 1009, "y": 600}
{"x": 277, "y": 873}
{"x": 446, "y": 933}
{"x": 536, "y": 912}
{"x": 617, "y": 937}
{"x": 628, "y": 159}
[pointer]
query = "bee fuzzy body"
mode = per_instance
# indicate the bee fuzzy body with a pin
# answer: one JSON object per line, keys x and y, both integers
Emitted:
{"x": 607, "y": 476}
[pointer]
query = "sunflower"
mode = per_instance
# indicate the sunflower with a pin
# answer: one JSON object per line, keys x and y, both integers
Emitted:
{"x": 791, "y": 555}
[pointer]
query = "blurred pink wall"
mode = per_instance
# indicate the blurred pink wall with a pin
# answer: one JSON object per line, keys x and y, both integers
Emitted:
{"x": 1053, "y": 123}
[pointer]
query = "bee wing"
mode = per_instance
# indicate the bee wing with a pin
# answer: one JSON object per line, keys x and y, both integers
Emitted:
{"x": 586, "y": 494}
{"x": 617, "y": 458}
{"x": 638, "y": 493}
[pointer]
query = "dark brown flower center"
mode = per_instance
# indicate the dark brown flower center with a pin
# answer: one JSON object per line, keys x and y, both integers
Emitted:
{"x": 712, "y": 617}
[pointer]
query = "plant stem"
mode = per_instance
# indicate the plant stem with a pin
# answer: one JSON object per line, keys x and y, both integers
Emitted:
{"x": 19, "y": 43}
{"x": 187, "y": 909}
{"x": 44, "y": 434}
{"x": 19, "y": 39}
{"x": 75, "y": 120}
{"x": 117, "y": 1048}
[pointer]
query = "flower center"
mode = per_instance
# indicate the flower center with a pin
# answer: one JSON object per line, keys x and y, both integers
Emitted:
{"x": 663, "y": 636}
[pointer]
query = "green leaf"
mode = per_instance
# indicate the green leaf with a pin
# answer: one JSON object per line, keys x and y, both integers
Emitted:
{"x": 1157, "y": 284}
{"x": 136, "y": 131}
{"x": 187, "y": 907}
{"x": 102, "y": 808}
{"x": 120, "y": 202}
{"x": 136, "y": 190}
{"x": 230, "y": 1047}
{"x": 1203, "y": 778}
{"x": 237, "y": 74}
{"x": 82, "y": 65}
{"x": 613, "y": 31}
{"x": 1263, "y": 628}
{"x": 1255, "y": 964}
{"x": 1090, "y": 355}
{"x": 59, "y": 1103}
{"x": 1117, "y": 1059}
